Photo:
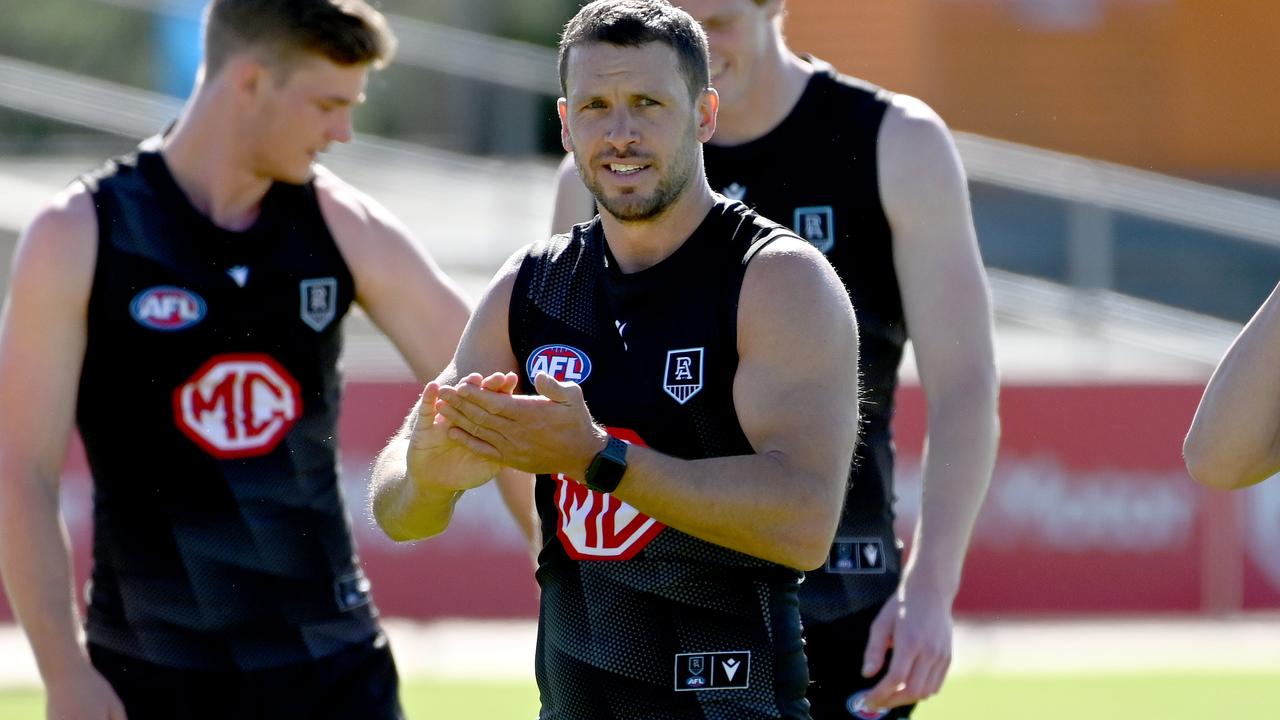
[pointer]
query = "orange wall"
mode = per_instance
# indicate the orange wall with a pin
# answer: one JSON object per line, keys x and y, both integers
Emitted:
{"x": 1183, "y": 86}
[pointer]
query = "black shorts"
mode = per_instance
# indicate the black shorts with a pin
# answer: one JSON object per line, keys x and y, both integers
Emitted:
{"x": 836, "y": 684}
{"x": 359, "y": 682}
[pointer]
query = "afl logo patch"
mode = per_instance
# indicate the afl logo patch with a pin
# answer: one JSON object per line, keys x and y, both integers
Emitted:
{"x": 167, "y": 308}
{"x": 564, "y": 363}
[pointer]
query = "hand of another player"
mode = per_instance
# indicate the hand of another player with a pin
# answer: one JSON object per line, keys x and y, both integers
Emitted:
{"x": 917, "y": 624}
{"x": 551, "y": 432}
{"x": 437, "y": 461}
{"x": 83, "y": 695}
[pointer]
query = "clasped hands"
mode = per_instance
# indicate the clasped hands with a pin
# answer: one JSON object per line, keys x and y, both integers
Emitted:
{"x": 467, "y": 432}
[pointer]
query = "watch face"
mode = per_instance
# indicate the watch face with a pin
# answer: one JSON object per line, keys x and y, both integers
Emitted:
{"x": 608, "y": 466}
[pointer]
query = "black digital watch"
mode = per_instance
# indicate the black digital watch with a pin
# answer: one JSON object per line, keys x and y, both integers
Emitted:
{"x": 606, "y": 468}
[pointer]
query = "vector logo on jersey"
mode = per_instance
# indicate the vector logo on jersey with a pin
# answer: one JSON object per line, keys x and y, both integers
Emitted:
{"x": 562, "y": 362}
{"x": 167, "y": 308}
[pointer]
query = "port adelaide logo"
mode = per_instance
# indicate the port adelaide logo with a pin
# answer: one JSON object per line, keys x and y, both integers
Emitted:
{"x": 562, "y": 362}
{"x": 167, "y": 308}
{"x": 319, "y": 302}
{"x": 683, "y": 376}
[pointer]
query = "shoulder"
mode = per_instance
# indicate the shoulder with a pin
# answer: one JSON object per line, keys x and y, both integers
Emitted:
{"x": 789, "y": 276}
{"x": 59, "y": 246}
{"x": 919, "y": 165}
{"x": 347, "y": 209}
{"x": 561, "y": 246}
{"x": 791, "y": 295}
{"x": 368, "y": 235}
{"x": 843, "y": 94}
{"x": 787, "y": 259}
{"x": 66, "y": 226}
{"x": 495, "y": 302}
{"x": 516, "y": 260}
{"x": 912, "y": 129}
{"x": 831, "y": 76}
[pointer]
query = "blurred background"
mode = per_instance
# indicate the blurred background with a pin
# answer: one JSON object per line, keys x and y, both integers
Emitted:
{"x": 1125, "y": 173}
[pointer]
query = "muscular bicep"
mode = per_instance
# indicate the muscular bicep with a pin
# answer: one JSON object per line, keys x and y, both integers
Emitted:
{"x": 43, "y": 335}
{"x": 796, "y": 390}
{"x": 573, "y": 203}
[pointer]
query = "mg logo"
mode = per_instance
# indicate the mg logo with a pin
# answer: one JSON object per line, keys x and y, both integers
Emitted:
{"x": 599, "y": 526}
{"x": 238, "y": 405}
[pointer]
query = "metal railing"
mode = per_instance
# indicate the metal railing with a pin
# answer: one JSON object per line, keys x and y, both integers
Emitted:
{"x": 1094, "y": 190}
{"x": 431, "y": 46}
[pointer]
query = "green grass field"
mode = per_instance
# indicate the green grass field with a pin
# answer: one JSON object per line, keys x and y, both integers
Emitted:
{"x": 969, "y": 697}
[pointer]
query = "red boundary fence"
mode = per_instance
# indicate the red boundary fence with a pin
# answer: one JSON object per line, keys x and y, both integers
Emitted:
{"x": 1090, "y": 511}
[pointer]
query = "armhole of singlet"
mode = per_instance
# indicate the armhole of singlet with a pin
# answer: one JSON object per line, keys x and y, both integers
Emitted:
{"x": 309, "y": 194}
{"x": 518, "y": 307}
{"x": 104, "y": 203}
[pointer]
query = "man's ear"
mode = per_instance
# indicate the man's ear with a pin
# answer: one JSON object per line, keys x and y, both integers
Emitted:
{"x": 707, "y": 108}
{"x": 248, "y": 77}
{"x": 562, "y": 109}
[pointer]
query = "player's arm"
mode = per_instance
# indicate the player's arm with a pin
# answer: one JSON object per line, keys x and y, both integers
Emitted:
{"x": 407, "y": 295}
{"x": 397, "y": 283}
{"x": 42, "y": 344}
{"x": 573, "y": 203}
{"x": 947, "y": 306}
{"x": 1234, "y": 440}
{"x": 796, "y": 395}
{"x": 796, "y": 400}
{"x": 421, "y": 473}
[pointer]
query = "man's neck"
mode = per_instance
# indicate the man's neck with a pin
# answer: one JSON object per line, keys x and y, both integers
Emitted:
{"x": 641, "y": 245}
{"x": 208, "y": 160}
{"x": 775, "y": 90}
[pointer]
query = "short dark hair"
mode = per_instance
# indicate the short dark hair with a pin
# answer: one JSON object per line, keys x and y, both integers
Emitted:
{"x": 631, "y": 23}
{"x": 347, "y": 32}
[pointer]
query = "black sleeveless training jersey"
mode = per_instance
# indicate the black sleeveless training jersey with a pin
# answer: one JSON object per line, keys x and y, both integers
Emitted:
{"x": 816, "y": 172}
{"x": 208, "y": 404}
{"x": 638, "y": 620}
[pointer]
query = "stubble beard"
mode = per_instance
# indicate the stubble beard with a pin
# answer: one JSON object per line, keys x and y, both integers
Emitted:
{"x": 635, "y": 208}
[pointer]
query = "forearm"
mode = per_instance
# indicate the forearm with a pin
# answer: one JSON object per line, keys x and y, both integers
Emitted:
{"x": 1234, "y": 439}
{"x": 403, "y": 509}
{"x": 36, "y": 566}
{"x": 958, "y": 461}
{"x": 759, "y": 504}
{"x": 516, "y": 488}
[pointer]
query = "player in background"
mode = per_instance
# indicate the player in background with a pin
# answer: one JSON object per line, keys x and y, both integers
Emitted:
{"x": 873, "y": 180}
{"x": 1234, "y": 439}
{"x": 182, "y": 306}
{"x": 691, "y": 438}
